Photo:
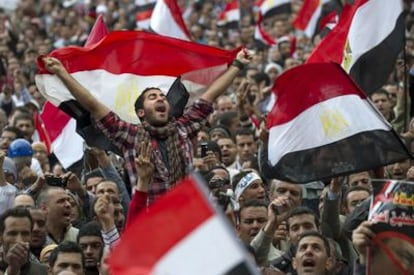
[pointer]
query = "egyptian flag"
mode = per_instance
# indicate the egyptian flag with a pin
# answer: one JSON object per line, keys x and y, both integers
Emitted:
{"x": 261, "y": 34}
{"x": 270, "y": 8}
{"x": 230, "y": 16}
{"x": 366, "y": 41}
{"x": 181, "y": 233}
{"x": 143, "y": 12}
{"x": 167, "y": 20}
{"x": 124, "y": 63}
{"x": 323, "y": 126}
{"x": 308, "y": 17}
{"x": 69, "y": 124}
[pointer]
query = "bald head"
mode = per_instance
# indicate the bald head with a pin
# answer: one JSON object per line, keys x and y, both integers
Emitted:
{"x": 23, "y": 200}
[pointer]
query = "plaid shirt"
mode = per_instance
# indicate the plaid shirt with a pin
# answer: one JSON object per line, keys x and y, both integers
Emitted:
{"x": 124, "y": 135}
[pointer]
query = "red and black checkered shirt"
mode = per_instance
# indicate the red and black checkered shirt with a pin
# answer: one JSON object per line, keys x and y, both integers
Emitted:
{"x": 124, "y": 135}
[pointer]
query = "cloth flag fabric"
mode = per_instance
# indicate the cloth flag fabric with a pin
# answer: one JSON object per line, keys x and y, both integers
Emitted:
{"x": 366, "y": 46}
{"x": 269, "y": 8}
{"x": 230, "y": 16}
{"x": 181, "y": 233}
{"x": 166, "y": 19}
{"x": 61, "y": 129}
{"x": 322, "y": 126}
{"x": 66, "y": 144}
{"x": 308, "y": 16}
{"x": 126, "y": 62}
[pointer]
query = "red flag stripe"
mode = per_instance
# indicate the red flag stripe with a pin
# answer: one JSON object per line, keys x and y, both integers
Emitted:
{"x": 115, "y": 54}
{"x": 339, "y": 85}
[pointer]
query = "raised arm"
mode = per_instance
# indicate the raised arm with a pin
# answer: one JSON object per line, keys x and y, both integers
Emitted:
{"x": 220, "y": 85}
{"x": 81, "y": 94}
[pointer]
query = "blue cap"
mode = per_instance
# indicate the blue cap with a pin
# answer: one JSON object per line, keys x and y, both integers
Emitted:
{"x": 20, "y": 148}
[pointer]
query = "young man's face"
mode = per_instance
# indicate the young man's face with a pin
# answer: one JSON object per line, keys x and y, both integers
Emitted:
{"x": 246, "y": 147}
{"x": 26, "y": 126}
{"x": 156, "y": 108}
{"x": 299, "y": 225}
{"x": 311, "y": 256}
{"x": 92, "y": 249}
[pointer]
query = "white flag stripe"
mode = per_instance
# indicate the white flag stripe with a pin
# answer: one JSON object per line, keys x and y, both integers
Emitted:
{"x": 162, "y": 22}
{"x": 215, "y": 259}
{"x": 68, "y": 146}
{"x": 327, "y": 122}
{"x": 364, "y": 22}
{"x": 117, "y": 91}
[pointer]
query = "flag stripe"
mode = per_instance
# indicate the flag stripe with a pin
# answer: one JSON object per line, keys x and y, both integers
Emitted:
{"x": 185, "y": 208}
{"x": 117, "y": 92}
{"x": 118, "y": 53}
{"x": 210, "y": 232}
{"x": 328, "y": 121}
{"x": 331, "y": 87}
{"x": 357, "y": 153}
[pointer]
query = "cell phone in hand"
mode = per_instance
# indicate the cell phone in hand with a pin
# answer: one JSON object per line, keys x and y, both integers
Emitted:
{"x": 55, "y": 181}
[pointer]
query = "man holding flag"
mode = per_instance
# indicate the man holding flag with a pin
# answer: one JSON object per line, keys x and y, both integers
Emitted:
{"x": 171, "y": 139}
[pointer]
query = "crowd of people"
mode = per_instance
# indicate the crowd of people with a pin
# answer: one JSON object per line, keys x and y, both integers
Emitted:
{"x": 66, "y": 221}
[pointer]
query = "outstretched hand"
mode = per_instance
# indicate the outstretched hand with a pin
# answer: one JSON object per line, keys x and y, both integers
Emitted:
{"x": 53, "y": 65}
{"x": 244, "y": 56}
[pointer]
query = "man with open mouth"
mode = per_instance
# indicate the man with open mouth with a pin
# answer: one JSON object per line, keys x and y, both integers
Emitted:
{"x": 171, "y": 139}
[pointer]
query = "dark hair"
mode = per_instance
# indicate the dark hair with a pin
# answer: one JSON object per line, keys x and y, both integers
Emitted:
{"x": 14, "y": 130}
{"x": 65, "y": 247}
{"x": 244, "y": 132}
{"x": 260, "y": 77}
{"x": 95, "y": 173}
{"x": 91, "y": 228}
{"x": 352, "y": 189}
{"x": 139, "y": 103}
{"x": 302, "y": 210}
{"x": 17, "y": 212}
{"x": 250, "y": 203}
{"x": 23, "y": 116}
{"x": 380, "y": 91}
{"x": 318, "y": 235}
